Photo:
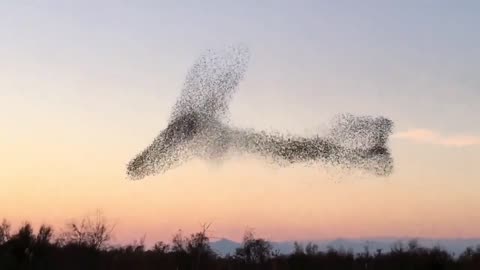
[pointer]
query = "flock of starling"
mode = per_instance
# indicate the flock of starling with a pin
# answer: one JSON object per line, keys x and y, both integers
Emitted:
{"x": 198, "y": 128}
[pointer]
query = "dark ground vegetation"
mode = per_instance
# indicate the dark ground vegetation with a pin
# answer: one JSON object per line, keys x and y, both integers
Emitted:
{"x": 85, "y": 245}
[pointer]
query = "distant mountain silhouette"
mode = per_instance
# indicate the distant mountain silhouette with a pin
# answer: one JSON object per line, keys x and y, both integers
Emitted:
{"x": 451, "y": 245}
{"x": 224, "y": 246}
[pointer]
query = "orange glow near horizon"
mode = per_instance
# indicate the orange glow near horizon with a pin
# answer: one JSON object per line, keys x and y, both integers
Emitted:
{"x": 297, "y": 203}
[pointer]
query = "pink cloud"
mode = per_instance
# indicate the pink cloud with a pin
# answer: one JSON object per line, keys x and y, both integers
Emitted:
{"x": 432, "y": 137}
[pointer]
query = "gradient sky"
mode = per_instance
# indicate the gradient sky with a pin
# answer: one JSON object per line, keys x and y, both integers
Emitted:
{"x": 85, "y": 85}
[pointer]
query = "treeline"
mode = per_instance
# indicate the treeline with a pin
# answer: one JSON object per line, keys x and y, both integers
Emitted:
{"x": 85, "y": 245}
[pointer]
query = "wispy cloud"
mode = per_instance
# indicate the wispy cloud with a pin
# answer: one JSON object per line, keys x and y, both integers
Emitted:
{"x": 432, "y": 137}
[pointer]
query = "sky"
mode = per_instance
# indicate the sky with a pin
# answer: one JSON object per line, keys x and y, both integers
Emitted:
{"x": 85, "y": 85}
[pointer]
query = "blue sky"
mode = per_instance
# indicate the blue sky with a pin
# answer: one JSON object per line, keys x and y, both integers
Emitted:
{"x": 409, "y": 60}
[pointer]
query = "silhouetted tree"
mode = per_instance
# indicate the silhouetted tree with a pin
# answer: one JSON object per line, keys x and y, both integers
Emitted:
{"x": 92, "y": 231}
{"x": 311, "y": 249}
{"x": 161, "y": 247}
{"x": 24, "y": 250}
{"x": 254, "y": 250}
{"x": 178, "y": 242}
{"x": 21, "y": 243}
{"x": 44, "y": 235}
{"x": 413, "y": 244}
{"x": 470, "y": 258}
{"x": 4, "y": 231}
{"x": 298, "y": 248}
{"x": 198, "y": 247}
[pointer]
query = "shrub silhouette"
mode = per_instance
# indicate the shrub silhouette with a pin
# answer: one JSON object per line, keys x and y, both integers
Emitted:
{"x": 85, "y": 246}
{"x": 4, "y": 231}
{"x": 254, "y": 250}
{"x": 92, "y": 231}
